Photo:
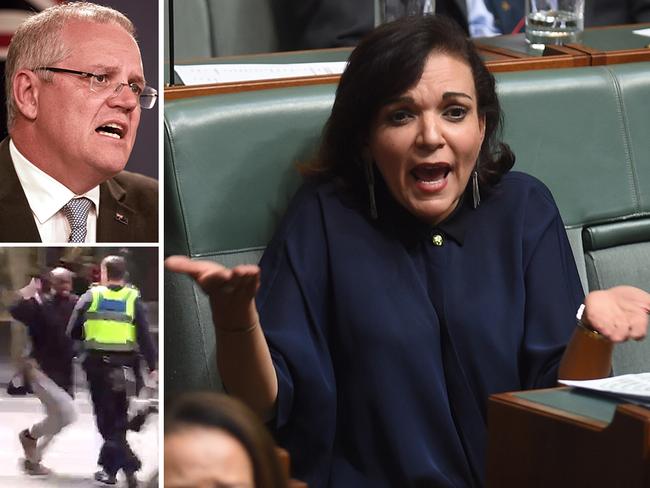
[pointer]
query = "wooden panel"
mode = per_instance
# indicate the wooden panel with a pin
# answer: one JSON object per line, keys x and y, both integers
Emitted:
{"x": 498, "y": 60}
{"x": 529, "y": 64}
{"x": 503, "y": 64}
{"x": 600, "y": 58}
{"x": 535, "y": 445}
{"x": 178, "y": 92}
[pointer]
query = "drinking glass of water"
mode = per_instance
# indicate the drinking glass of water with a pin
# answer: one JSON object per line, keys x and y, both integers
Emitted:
{"x": 554, "y": 21}
{"x": 389, "y": 10}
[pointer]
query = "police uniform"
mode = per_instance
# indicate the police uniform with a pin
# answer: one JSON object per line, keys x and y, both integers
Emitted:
{"x": 111, "y": 321}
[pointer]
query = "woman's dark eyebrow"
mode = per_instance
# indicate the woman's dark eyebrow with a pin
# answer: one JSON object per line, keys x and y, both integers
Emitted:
{"x": 407, "y": 99}
{"x": 455, "y": 94}
{"x": 402, "y": 99}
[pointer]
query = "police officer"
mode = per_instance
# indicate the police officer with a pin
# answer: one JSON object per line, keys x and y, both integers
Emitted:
{"x": 110, "y": 318}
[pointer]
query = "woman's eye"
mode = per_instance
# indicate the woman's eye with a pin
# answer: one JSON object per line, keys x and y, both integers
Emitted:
{"x": 399, "y": 117}
{"x": 456, "y": 113}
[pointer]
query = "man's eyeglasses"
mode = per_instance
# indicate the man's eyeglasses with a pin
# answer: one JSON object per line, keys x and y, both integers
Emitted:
{"x": 101, "y": 83}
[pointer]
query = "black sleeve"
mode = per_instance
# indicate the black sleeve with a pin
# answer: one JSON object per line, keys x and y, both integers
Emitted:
{"x": 75, "y": 327}
{"x": 145, "y": 342}
{"x": 26, "y": 311}
{"x": 23, "y": 310}
{"x": 641, "y": 11}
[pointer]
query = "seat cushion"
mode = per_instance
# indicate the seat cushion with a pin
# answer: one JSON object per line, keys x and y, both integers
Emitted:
{"x": 623, "y": 265}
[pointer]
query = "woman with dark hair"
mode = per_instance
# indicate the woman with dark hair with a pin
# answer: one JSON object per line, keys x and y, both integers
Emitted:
{"x": 412, "y": 276}
{"x": 214, "y": 440}
{"x": 382, "y": 70}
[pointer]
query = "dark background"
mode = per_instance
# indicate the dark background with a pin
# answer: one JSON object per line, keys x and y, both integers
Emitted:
{"x": 144, "y": 15}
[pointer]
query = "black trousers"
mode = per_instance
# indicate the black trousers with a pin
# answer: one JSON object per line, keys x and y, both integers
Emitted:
{"x": 109, "y": 381}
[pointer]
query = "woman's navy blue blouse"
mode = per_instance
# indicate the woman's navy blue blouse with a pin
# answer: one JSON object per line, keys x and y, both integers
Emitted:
{"x": 388, "y": 336}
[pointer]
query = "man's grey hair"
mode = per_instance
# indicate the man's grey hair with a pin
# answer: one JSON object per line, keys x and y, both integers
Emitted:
{"x": 37, "y": 41}
{"x": 61, "y": 273}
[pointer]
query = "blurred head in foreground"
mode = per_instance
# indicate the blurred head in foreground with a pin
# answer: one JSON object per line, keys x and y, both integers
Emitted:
{"x": 215, "y": 440}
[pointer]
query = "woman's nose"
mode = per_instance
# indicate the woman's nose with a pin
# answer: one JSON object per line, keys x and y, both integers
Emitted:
{"x": 430, "y": 133}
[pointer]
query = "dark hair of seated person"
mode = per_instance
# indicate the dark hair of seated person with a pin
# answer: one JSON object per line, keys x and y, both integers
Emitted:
{"x": 387, "y": 63}
{"x": 220, "y": 411}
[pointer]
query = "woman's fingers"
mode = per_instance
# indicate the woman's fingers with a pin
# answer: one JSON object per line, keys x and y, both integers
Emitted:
{"x": 231, "y": 291}
{"x": 216, "y": 279}
{"x": 620, "y": 313}
{"x": 247, "y": 277}
{"x": 209, "y": 275}
{"x": 183, "y": 264}
{"x": 639, "y": 328}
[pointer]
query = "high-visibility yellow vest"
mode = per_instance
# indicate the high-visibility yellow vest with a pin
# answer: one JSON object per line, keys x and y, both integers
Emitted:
{"x": 109, "y": 319}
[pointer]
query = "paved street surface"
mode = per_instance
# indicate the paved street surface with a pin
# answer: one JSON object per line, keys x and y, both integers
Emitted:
{"x": 72, "y": 455}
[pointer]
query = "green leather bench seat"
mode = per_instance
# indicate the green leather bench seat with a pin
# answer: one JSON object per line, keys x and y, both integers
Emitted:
{"x": 618, "y": 253}
{"x": 229, "y": 175}
{"x": 230, "y": 171}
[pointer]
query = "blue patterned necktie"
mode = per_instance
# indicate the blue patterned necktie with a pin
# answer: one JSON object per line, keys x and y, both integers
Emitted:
{"x": 76, "y": 211}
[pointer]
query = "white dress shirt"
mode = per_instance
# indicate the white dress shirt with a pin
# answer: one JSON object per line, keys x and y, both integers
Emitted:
{"x": 480, "y": 20}
{"x": 46, "y": 196}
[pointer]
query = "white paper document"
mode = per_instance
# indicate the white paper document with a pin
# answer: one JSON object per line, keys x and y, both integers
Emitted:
{"x": 200, "y": 74}
{"x": 642, "y": 32}
{"x": 629, "y": 386}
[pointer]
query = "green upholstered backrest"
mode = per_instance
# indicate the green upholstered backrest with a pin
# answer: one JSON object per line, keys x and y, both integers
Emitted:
{"x": 618, "y": 253}
{"x": 233, "y": 161}
{"x": 591, "y": 145}
{"x": 230, "y": 171}
{"x": 570, "y": 128}
{"x": 229, "y": 174}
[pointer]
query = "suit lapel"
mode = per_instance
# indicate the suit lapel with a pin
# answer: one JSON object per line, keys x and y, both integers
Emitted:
{"x": 16, "y": 218}
{"x": 116, "y": 221}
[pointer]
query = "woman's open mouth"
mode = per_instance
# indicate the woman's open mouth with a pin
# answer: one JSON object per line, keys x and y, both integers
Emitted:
{"x": 431, "y": 177}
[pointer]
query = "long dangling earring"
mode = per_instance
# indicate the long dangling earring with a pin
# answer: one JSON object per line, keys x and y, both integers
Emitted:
{"x": 475, "y": 190}
{"x": 370, "y": 180}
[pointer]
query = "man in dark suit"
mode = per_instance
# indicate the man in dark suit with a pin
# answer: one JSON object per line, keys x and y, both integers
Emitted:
{"x": 315, "y": 24}
{"x": 75, "y": 90}
{"x": 607, "y": 12}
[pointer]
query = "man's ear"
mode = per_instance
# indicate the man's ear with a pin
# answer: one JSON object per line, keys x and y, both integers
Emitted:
{"x": 26, "y": 88}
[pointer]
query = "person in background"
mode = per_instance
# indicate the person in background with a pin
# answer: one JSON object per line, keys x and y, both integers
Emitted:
{"x": 110, "y": 319}
{"x": 496, "y": 17}
{"x": 315, "y": 24}
{"x": 606, "y": 12}
{"x": 215, "y": 440}
{"x": 49, "y": 369}
{"x": 412, "y": 276}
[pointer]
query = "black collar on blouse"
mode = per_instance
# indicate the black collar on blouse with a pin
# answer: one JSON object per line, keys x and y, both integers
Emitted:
{"x": 458, "y": 221}
{"x": 399, "y": 222}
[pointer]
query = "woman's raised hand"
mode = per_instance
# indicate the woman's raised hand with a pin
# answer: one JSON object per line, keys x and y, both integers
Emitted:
{"x": 619, "y": 313}
{"x": 231, "y": 291}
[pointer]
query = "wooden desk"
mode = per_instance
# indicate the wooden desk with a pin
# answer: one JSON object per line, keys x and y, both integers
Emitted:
{"x": 601, "y": 45}
{"x": 561, "y": 438}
